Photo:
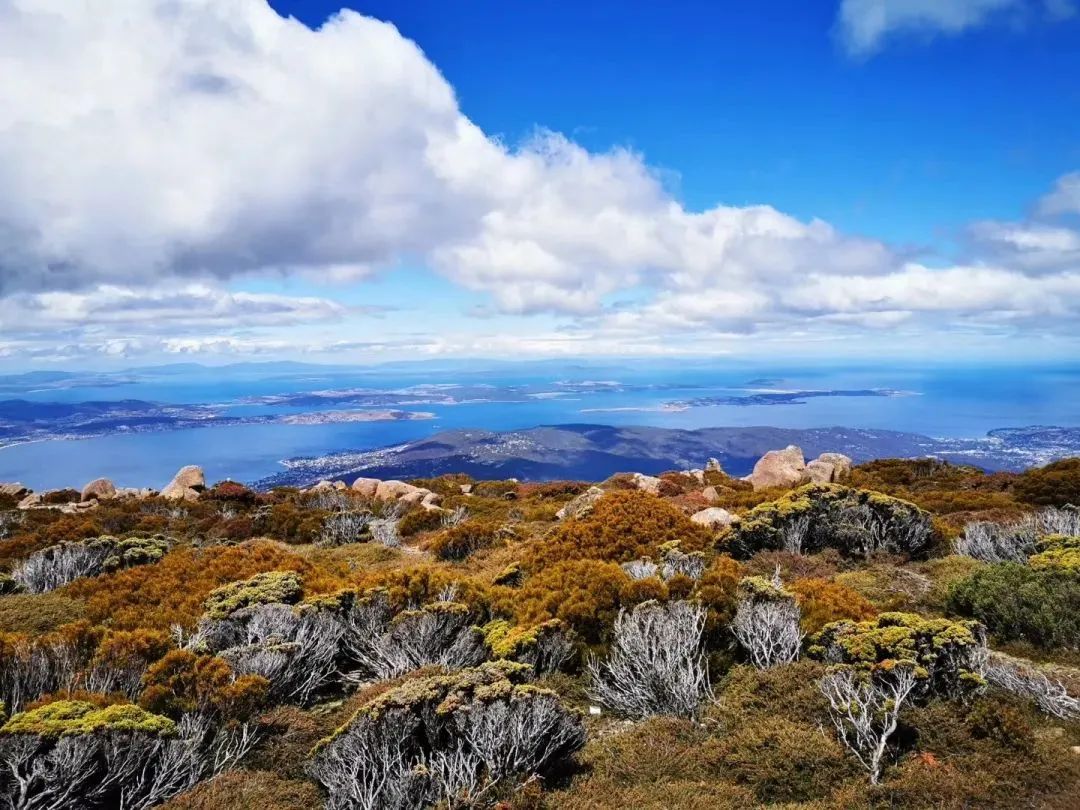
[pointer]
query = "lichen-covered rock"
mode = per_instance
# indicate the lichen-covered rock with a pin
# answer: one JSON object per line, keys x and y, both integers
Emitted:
{"x": 187, "y": 485}
{"x": 780, "y": 468}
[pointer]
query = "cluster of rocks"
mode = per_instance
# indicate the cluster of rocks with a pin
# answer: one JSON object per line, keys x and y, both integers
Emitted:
{"x": 789, "y": 468}
{"x": 390, "y": 490}
{"x": 777, "y": 468}
{"x": 188, "y": 484}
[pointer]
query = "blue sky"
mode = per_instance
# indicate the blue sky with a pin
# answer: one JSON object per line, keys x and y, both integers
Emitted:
{"x": 828, "y": 179}
{"x": 758, "y": 102}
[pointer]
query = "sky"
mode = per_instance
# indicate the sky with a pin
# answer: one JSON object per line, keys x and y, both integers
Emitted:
{"x": 220, "y": 180}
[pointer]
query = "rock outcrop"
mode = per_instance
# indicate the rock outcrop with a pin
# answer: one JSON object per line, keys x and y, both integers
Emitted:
{"x": 714, "y": 517}
{"x": 394, "y": 490}
{"x": 100, "y": 489}
{"x": 366, "y": 486}
{"x": 780, "y": 468}
{"x": 15, "y": 490}
{"x": 829, "y": 468}
{"x": 647, "y": 483}
{"x": 841, "y": 464}
{"x": 187, "y": 485}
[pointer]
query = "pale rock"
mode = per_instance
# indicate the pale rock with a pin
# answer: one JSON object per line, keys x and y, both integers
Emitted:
{"x": 100, "y": 488}
{"x": 697, "y": 475}
{"x": 394, "y": 490}
{"x": 466, "y": 489}
{"x": 821, "y": 472}
{"x": 780, "y": 468}
{"x": 713, "y": 465}
{"x": 366, "y": 486}
{"x": 186, "y": 485}
{"x": 581, "y": 505}
{"x": 841, "y": 464}
{"x": 30, "y": 501}
{"x": 710, "y": 494}
{"x": 714, "y": 517}
{"x": 15, "y": 490}
{"x": 647, "y": 483}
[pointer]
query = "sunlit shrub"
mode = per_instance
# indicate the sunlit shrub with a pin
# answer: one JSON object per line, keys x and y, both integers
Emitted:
{"x": 623, "y": 526}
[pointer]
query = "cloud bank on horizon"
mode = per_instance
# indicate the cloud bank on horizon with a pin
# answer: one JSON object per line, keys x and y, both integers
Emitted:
{"x": 166, "y": 166}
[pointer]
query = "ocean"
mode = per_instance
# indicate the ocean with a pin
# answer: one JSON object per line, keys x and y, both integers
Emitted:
{"x": 955, "y": 401}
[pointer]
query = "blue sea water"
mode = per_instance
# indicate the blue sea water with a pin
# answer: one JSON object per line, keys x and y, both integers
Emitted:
{"x": 937, "y": 401}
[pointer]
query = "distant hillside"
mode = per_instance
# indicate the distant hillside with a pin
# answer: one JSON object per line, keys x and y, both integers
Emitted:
{"x": 593, "y": 452}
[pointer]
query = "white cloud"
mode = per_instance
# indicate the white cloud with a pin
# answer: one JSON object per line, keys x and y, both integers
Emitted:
{"x": 193, "y": 137}
{"x": 193, "y": 305}
{"x": 150, "y": 151}
{"x": 218, "y": 138}
{"x": 962, "y": 290}
{"x": 1065, "y": 197}
{"x": 863, "y": 25}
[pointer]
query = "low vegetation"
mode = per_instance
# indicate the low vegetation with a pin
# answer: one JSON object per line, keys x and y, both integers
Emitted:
{"x": 908, "y": 639}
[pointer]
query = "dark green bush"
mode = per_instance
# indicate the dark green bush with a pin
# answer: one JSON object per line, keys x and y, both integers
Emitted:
{"x": 820, "y": 516}
{"x": 1019, "y": 603}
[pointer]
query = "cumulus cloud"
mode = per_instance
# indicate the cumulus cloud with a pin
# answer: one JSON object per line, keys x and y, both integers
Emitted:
{"x": 152, "y": 152}
{"x": 863, "y": 25}
{"x": 214, "y": 137}
{"x": 219, "y": 138}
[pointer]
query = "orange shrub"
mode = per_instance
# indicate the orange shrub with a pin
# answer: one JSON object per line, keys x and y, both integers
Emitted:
{"x": 822, "y": 602}
{"x": 623, "y": 526}
{"x": 584, "y": 594}
{"x": 183, "y": 682}
{"x": 458, "y": 542}
{"x": 172, "y": 591}
{"x": 419, "y": 585}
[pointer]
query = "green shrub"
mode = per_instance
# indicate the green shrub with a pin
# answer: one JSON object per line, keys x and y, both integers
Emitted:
{"x": 285, "y": 587}
{"x": 946, "y": 654}
{"x": 35, "y": 613}
{"x": 248, "y": 790}
{"x": 780, "y": 760}
{"x": 820, "y": 516}
{"x": 73, "y": 717}
{"x": 1016, "y": 602}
